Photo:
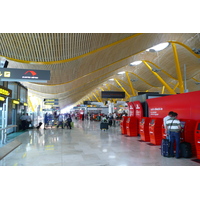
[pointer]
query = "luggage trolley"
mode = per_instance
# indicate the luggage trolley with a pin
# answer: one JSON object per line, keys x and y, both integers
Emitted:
{"x": 104, "y": 125}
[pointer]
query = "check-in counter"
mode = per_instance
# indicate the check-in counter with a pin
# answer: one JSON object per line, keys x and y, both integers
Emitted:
{"x": 123, "y": 125}
{"x": 155, "y": 130}
{"x": 144, "y": 129}
{"x": 132, "y": 126}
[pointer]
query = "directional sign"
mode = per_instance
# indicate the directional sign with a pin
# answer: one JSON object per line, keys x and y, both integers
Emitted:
{"x": 50, "y": 100}
{"x": 29, "y": 75}
{"x": 51, "y": 103}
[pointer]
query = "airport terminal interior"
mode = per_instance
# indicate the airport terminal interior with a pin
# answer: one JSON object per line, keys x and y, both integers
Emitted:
{"x": 88, "y": 76}
{"x": 86, "y": 145}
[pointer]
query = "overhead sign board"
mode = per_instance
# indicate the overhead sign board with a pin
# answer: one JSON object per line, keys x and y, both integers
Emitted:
{"x": 29, "y": 75}
{"x": 50, "y": 100}
{"x": 112, "y": 94}
{"x": 51, "y": 103}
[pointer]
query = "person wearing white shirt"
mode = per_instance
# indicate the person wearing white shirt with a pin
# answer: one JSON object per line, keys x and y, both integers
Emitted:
{"x": 164, "y": 123}
{"x": 60, "y": 121}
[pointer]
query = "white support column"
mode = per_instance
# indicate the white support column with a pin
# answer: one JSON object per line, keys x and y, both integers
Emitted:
{"x": 110, "y": 107}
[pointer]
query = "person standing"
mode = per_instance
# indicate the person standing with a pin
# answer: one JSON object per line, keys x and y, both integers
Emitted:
{"x": 69, "y": 120}
{"x": 28, "y": 120}
{"x": 174, "y": 126}
{"x": 60, "y": 121}
{"x": 46, "y": 120}
{"x": 164, "y": 123}
{"x": 23, "y": 119}
{"x": 114, "y": 118}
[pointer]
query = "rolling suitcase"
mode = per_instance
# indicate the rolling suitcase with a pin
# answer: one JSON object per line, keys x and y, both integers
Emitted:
{"x": 185, "y": 150}
{"x": 165, "y": 148}
{"x": 104, "y": 126}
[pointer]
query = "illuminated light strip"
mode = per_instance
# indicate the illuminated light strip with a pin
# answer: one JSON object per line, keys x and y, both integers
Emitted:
{"x": 75, "y": 58}
{"x": 2, "y": 99}
{"x": 15, "y": 102}
{"x": 4, "y": 92}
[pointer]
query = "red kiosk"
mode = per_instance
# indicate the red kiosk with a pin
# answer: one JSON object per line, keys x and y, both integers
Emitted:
{"x": 187, "y": 133}
{"x": 144, "y": 129}
{"x": 155, "y": 131}
{"x": 132, "y": 126}
{"x": 197, "y": 139}
{"x": 123, "y": 125}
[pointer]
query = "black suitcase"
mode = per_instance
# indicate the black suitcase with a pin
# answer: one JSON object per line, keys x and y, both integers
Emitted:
{"x": 40, "y": 124}
{"x": 185, "y": 150}
{"x": 103, "y": 125}
{"x": 165, "y": 148}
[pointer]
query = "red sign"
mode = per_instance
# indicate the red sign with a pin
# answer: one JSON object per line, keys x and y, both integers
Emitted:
{"x": 138, "y": 109}
{"x": 186, "y": 105}
{"x": 131, "y": 109}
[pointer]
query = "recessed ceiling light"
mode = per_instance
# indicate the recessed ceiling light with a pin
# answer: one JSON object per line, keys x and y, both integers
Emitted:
{"x": 158, "y": 47}
{"x": 135, "y": 63}
{"x": 121, "y": 73}
{"x": 111, "y": 79}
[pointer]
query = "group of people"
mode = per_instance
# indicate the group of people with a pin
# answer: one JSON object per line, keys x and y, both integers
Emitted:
{"x": 173, "y": 129}
{"x": 25, "y": 121}
{"x": 62, "y": 120}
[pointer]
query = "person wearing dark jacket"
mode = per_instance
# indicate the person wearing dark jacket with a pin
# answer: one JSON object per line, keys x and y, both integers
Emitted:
{"x": 69, "y": 120}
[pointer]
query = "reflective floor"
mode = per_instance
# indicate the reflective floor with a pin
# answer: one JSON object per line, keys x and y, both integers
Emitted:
{"x": 86, "y": 145}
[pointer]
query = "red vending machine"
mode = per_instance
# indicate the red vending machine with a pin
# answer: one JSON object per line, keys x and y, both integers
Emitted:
{"x": 123, "y": 125}
{"x": 197, "y": 139}
{"x": 187, "y": 132}
{"x": 132, "y": 126}
{"x": 155, "y": 131}
{"x": 144, "y": 129}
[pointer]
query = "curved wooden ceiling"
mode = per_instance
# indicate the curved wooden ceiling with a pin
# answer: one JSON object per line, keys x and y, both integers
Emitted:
{"x": 82, "y": 63}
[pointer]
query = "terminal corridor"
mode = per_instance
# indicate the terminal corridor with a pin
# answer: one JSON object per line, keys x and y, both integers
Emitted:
{"x": 85, "y": 145}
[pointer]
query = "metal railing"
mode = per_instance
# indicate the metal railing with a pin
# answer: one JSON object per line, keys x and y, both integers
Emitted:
{"x": 4, "y": 133}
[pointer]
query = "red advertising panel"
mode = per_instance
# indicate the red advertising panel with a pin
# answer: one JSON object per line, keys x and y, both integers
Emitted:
{"x": 138, "y": 109}
{"x": 131, "y": 109}
{"x": 186, "y": 105}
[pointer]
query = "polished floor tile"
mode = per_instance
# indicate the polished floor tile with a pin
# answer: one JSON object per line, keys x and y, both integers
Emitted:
{"x": 85, "y": 145}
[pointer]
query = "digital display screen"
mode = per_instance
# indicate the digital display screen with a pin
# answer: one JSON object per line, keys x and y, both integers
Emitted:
{"x": 152, "y": 121}
{"x": 182, "y": 124}
{"x": 112, "y": 94}
{"x": 198, "y": 127}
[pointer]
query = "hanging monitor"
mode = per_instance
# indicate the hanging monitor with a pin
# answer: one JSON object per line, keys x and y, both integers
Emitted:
{"x": 112, "y": 94}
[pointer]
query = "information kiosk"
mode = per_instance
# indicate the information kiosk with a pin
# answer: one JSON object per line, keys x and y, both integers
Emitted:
{"x": 197, "y": 139}
{"x": 144, "y": 129}
{"x": 155, "y": 131}
{"x": 132, "y": 126}
{"x": 123, "y": 125}
{"x": 187, "y": 132}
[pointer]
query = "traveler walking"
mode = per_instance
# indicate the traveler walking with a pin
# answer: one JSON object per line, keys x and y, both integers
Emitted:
{"x": 60, "y": 121}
